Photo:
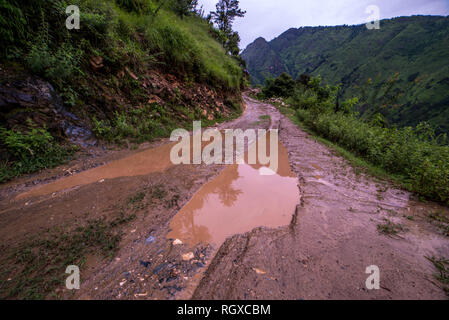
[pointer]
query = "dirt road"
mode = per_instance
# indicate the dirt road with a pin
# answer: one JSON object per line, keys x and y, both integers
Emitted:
{"x": 310, "y": 235}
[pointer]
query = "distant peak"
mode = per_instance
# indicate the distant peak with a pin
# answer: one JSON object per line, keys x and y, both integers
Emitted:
{"x": 260, "y": 39}
{"x": 257, "y": 44}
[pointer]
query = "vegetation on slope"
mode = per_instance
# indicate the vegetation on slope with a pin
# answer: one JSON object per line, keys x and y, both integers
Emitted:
{"x": 411, "y": 50}
{"x": 133, "y": 33}
{"x": 415, "y": 154}
{"x": 134, "y": 70}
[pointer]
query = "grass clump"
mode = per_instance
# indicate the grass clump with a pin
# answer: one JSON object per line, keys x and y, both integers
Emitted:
{"x": 441, "y": 220}
{"x": 137, "y": 124}
{"x": 442, "y": 265}
{"x": 389, "y": 228}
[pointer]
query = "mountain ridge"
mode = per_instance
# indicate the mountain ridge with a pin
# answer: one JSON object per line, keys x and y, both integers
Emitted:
{"x": 413, "y": 47}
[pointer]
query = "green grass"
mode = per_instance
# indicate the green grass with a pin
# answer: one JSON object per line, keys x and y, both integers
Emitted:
{"x": 422, "y": 165}
{"x": 131, "y": 38}
{"x": 359, "y": 164}
{"x": 153, "y": 121}
{"x": 412, "y": 156}
{"x": 389, "y": 228}
{"x": 442, "y": 266}
{"x": 136, "y": 124}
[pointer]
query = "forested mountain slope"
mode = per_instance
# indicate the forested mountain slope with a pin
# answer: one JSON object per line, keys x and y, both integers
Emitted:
{"x": 402, "y": 67}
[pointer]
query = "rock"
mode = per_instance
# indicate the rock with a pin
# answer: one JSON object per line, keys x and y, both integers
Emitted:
{"x": 131, "y": 74}
{"x": 24, "y": 97}
{"x": 259, "y": 271}
{"x": 188, "y": 256}
{"x": 150, "y": 239}
{"x": 146, "y": 264}
{"x": 96, "y": 62}
{"x": 177, "y": 242}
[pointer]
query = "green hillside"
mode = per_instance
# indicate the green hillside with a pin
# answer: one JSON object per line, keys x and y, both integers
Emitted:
{"x": 134, "y": 71}
{"x": 408, "y": 57}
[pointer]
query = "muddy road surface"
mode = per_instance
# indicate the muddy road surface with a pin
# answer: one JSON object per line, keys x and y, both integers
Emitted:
{"x": 227, "y": 231}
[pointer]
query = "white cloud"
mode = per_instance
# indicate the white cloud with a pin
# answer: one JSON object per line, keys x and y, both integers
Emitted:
{"x": 269, "y": 18}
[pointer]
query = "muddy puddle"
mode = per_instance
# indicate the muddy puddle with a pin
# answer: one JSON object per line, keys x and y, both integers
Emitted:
{"x": 238, "y": 200}
{"x": 142, "y": 163}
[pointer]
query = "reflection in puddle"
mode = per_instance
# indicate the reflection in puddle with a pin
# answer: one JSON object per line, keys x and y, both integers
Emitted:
{"x": 238, "y": 200}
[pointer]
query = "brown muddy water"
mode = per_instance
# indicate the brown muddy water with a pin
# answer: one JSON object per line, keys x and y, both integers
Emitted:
{"x": 141, "y": 163}
{"x": 238, "y": 200}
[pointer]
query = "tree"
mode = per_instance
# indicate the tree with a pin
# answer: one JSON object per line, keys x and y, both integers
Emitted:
{"x": 185, "y": 7}
{"x": 282, "y": 86}
{"x": 232, "y": 44}
{"x": 227, "y": 11}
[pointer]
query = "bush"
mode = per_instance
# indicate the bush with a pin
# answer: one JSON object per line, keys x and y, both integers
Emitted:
{"x": 423, "y": 163}
{"x": 56, "y": 65}
{"x": 282, "y": 86}
{"x": 137, "y": 6}
{"x": 29, "y": 152}
{"x": 416, "y": 154}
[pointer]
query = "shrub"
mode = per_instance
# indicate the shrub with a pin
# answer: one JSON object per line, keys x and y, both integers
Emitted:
{"x": 12, "y": 25}
{"x": 138, "y": 6}
{"x": 55, "y": 65}
{"x": 30, "y": 151}
{"x": 416, "y": 154}
{"x": 282, "y": 86}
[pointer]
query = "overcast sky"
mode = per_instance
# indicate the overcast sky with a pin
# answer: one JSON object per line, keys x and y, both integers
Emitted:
{"x": 269, "y": 18}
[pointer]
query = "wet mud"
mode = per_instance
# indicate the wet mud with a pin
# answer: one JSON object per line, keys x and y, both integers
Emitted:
{"x": 228, "y": 232}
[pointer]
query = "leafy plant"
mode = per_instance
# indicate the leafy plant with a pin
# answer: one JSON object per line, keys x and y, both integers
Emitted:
{"x": 30, "y": 151}
{"x": 55, "y": 65}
